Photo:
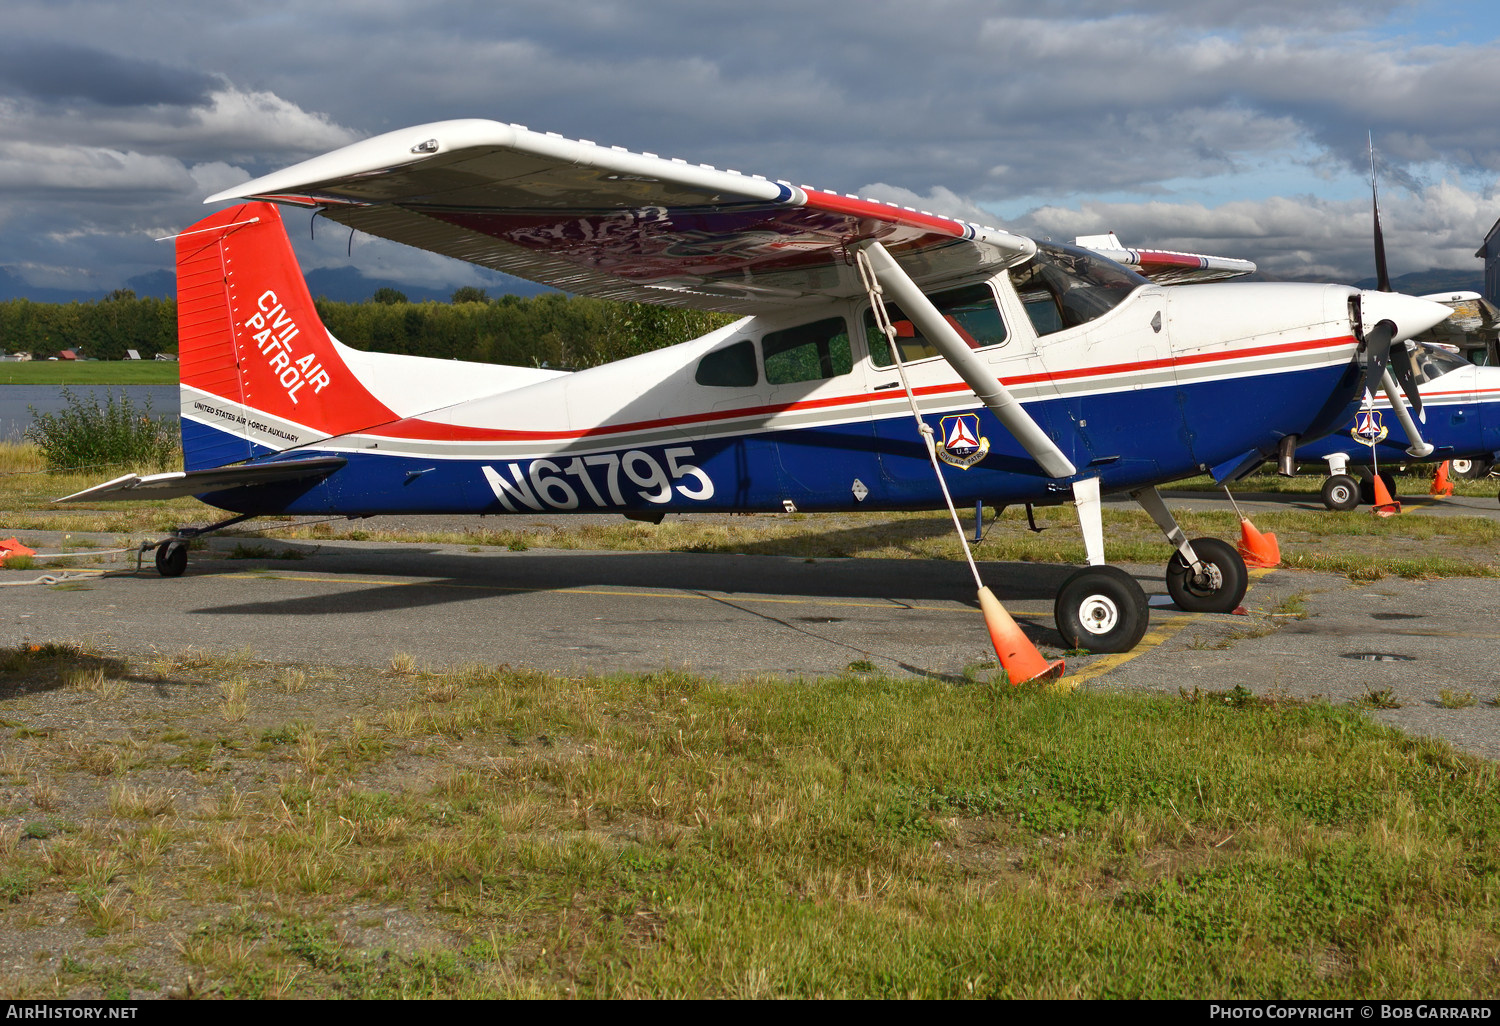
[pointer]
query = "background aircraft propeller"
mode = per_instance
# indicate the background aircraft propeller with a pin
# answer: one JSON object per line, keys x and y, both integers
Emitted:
{"x": 1381, "y": 352}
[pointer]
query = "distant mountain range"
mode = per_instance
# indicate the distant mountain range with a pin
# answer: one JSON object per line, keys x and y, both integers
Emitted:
{"x": 341, "y": 284}
{"x": 1420, "y": 283}
{"x": 347, "y": 285}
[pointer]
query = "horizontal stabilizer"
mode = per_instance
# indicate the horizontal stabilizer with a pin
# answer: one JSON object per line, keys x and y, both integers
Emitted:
{"x": 196, "y": 482}
{"x": 1167, "y": 267}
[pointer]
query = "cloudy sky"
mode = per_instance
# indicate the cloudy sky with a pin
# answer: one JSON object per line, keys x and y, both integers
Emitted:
{"x": 1206, "y": 125}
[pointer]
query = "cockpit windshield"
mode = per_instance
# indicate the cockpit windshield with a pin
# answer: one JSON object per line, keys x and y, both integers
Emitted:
{"x": 1064, "y": 286}
{"x": 1433, "y": 362}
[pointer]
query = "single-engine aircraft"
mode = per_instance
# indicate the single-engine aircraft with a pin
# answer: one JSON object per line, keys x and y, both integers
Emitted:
{"x": 1461, "y": 403}
{"x": 1464, "y": 399}
{"x": 1045, "y": 372}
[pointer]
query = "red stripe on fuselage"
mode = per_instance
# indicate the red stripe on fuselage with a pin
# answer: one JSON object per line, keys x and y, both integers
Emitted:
{"x": 416, "y": 428}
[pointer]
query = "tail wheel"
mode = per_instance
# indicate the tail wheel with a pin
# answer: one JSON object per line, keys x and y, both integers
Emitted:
{"x": 1101, "y": 609}
{"x": 1341, "y": 492}
{"x": 1218, "y": 589}
{"x": 171, "y": 558}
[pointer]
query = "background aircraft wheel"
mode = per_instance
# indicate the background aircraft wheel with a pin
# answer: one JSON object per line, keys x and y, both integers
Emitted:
{"x": 171, "y": 558}
{"x": 1367, "y": 487}
{"x": 1470, "y": 470}
{"x": 1102, "y": 609}
{"x": 1222, "y": 586}
{"x": 1341, "y": 492}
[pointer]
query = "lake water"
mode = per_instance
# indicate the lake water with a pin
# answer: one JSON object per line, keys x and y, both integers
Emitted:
{"x": 17, "y": 401}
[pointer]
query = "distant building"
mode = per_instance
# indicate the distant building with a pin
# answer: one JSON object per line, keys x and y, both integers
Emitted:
{"x": 67, "y": 354}
{"x": 131, "y": 354}
{"x": 1490, "y": 254}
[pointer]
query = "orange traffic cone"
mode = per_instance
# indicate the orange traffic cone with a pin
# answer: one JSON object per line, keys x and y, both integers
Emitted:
{"x": 1384, "y": 505}
{"x": 1019, "y": 657}
{"x": 1442, "y": 488}
{"x": 11, "y": 547}
{"x": 1258, "y": 549}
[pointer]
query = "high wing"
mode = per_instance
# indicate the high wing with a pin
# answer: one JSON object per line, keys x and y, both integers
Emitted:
{"x": 603, "y": 221}
{"x": 1164, "y": 266}
{"x": 1474, "y": 318}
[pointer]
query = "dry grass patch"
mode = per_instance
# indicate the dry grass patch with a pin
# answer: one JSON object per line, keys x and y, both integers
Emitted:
{"x": 142, "y": 802}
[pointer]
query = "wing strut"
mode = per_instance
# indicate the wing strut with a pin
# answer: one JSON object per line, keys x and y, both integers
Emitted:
{"x": 1419, "y": 447}
{"x": 1011, "y": 414}
{"x": 1019, "y": 657}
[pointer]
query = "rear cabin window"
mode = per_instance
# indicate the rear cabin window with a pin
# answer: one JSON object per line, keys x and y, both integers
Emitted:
{"x": 808, "y": 352}
{"x": 730, "y": 367}
{"x": 971, "y": 310}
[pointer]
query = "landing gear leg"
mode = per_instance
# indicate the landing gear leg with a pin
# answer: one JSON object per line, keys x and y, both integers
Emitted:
{"x": 1100, "y": 608}
{"x": 1204, "y": 575}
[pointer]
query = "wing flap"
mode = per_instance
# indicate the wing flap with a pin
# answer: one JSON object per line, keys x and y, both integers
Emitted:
{"x": 176, "y": 484}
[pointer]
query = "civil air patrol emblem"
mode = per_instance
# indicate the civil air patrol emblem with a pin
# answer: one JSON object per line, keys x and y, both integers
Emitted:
{"x": 1368, "y": 428}
{"x": 962, "y": 445}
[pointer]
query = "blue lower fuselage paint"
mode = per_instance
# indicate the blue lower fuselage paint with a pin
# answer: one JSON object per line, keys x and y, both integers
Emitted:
{"x": 1456, "y": 430}
{"x": 1128, "y": 439}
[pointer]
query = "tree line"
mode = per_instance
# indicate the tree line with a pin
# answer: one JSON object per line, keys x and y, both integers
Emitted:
{"x": 551, "y": 329}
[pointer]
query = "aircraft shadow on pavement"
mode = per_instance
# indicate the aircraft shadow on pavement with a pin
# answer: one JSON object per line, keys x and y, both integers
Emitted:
{"x": 439, "y": 577}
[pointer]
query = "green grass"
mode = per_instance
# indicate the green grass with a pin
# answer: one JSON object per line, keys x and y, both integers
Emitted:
{"x": 91, "y": 372}
{"x": 664, "y": 835}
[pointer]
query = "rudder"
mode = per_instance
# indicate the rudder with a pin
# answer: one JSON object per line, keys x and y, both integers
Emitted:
{"x": 259, "y": 371}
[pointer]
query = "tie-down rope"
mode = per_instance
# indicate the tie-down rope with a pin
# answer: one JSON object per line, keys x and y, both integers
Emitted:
{"x": 883, "y": 322}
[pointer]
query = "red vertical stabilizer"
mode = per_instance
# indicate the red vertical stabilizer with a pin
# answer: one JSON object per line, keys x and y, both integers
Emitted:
{"x": 259, "y": 370}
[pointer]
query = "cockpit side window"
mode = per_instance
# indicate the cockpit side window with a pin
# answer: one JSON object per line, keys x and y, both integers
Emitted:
{"x": 1064, "y": 286}
{"x": 808, "y": 352}
{"x": 970, "y": 310}
{"x": 1432, "y": 363}
{"x": 730, "y": 367}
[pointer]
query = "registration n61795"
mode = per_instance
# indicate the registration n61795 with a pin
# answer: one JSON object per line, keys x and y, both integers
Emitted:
{"x": 602, "y": 480}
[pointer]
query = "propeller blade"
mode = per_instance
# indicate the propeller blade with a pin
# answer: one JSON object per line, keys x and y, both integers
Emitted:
{"x": 1404, "y": 366}
{"x": 1382, "y": 276}
{"x": 1378, "y": 353}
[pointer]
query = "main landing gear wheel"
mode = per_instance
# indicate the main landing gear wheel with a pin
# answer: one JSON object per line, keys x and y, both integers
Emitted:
{"x": 1221, "y": 586}
{"x": 1340, "y": 492}
{"x": 1367, "y": 487}
{"x": 1470, "y": 470}
{"x": 1102, "y": 609}
{"x": 171, "y": 558}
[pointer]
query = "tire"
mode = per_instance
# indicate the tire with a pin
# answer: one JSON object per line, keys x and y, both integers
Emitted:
{"x": 1341, "y": 492}
{"x": 1101, "y": 609}
{"x": 1224, "y": 590}
{"x": 1470, "y": 470}
{"x": 1367, "y": 487}
{"x": 171, "y": 558}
